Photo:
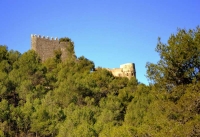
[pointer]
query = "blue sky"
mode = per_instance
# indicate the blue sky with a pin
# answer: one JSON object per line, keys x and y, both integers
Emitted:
{"x": 108, "y": 32}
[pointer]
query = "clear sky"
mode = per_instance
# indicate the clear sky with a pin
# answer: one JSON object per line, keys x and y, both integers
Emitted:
{"x": 108, "y": 32}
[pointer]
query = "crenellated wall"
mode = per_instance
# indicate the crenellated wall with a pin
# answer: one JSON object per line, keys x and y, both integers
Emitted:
{"x": 45, "y": 46}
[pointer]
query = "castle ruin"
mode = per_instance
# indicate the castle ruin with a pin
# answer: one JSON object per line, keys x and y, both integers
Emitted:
{"x": 125, "y": 70}
{"x": 45, "y": 46}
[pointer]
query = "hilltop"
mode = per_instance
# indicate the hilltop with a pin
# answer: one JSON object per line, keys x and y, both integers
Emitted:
{"x": 56, "y": 97}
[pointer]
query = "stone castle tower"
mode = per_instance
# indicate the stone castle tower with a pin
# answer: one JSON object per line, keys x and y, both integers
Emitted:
{"x": 125, "y": 70}
{"x": 45, "y": 46}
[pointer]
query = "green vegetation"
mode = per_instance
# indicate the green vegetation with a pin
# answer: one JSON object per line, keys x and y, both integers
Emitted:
{"x": 68, "y": 98}
{"x": 65, "y": 39}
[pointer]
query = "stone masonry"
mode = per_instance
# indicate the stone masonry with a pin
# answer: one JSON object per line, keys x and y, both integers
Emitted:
{"x": 125, "y": 70}
{"x": 45, "y": 46}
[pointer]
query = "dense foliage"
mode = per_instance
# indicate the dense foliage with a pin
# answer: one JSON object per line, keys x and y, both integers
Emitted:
{"x": 179, "y": 59}
{"x": 68, "y": 98}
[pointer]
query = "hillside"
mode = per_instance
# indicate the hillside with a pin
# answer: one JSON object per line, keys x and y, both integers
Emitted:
{"x": 68, "y": 98}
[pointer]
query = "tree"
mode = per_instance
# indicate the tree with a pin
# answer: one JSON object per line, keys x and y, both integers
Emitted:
{"x": 179, "y": 59}
{"x": 79, "y": 122}
{"x": 3, "y": 52}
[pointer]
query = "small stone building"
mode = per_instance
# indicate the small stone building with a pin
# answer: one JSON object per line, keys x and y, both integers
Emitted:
{"x": 125, "y": 70}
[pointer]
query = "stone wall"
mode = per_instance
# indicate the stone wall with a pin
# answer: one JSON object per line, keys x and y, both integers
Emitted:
{"x": 125, "y": 70}
{"x": 45, "y": 46}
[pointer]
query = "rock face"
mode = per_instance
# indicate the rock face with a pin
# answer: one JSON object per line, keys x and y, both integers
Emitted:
{"x": 46, "y": 46}
{"x": 125, "y": 70}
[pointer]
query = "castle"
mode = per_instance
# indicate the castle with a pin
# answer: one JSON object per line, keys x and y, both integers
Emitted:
{"x": 125, "y": 70}
{"x": 45, "y": 47}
